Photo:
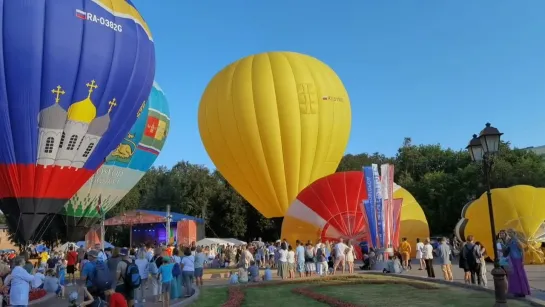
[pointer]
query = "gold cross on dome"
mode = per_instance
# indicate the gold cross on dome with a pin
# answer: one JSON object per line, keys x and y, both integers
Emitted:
{"x": 112, "y": 104}
{"x": 58, "y": 92}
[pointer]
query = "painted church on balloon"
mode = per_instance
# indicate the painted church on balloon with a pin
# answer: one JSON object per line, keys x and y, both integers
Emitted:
{"x": 67, "y": 138}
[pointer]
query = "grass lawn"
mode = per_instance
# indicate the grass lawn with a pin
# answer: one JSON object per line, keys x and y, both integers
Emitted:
{"x": 373, "y": 295}
{"x": 354, "y": 290}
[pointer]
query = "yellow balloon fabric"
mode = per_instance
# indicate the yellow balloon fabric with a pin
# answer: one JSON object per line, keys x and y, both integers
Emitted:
{"x": 413, "y": 222}
{"x": 272, "y": 123}
{"x": 521, "y": 208}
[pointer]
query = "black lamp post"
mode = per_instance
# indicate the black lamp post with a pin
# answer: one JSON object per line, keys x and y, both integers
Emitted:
{"x": 482, "y": 149}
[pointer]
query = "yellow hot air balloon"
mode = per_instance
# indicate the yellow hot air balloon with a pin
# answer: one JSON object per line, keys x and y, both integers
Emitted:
{"x": 273, "y": 123}
{"x": 520, "y": 208}
{"x": 413, "y": 222}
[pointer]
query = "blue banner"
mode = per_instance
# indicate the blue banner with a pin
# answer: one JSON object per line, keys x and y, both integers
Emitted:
{"x": 369, "y": 204}
{"x": 377, "y": 192}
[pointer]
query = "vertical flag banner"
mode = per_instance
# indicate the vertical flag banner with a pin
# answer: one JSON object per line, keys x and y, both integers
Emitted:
{"x": 384, "y": 172}
{"x": 390, "y": 185}
{"x": 396, "y": 208}
{"x": 369, "y": 204}
{"x": 377, "y": 192}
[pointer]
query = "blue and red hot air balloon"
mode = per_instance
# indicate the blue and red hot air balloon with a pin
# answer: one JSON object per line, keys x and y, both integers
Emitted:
{"x": 73, "y": 75}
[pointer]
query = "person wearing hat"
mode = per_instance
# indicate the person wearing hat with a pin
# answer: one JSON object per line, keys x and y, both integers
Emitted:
{"x": 122, "y": 266}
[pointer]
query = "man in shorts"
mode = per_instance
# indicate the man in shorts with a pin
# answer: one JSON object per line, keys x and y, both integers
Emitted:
{"x": 71, "y": 259}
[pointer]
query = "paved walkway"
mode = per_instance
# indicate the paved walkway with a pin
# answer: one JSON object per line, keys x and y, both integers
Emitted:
{"x": 535, "y": 273}
{"x": 58, "y": 302}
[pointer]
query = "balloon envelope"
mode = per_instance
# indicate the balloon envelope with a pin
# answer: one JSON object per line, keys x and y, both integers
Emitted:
{"x": 330, "y": 208}
{"x": 414, "y": 224}
{"x": 124, "y": 167}
{"x": 73, "y": 75}
{"x": 273, "y": 123}
{"x": 521, "y": 208}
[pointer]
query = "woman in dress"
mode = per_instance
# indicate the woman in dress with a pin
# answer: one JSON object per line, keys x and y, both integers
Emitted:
{"x": 518, "y": 284}
{"x": 419, "y": 254}
{"x": 350, "y": 257}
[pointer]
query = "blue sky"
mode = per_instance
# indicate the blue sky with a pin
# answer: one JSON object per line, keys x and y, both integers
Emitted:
{"x": 435, "y": 71}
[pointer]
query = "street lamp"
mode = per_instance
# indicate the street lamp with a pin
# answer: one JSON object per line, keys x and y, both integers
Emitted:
{"x": 482, "y": 149}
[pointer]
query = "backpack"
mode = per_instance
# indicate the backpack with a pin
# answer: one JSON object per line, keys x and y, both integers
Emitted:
{"x": 320, "y": 255}
{"x": 469, "y": 256}
{"x": 153, "y": 269}
{"x": 176, "y": 270}
{"x": 132, "y": 277}
{"x": 308, "y": 254}
{"x": 101, "y": 278}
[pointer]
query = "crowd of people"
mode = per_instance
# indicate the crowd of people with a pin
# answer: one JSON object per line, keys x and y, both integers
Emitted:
{"x": 472, "y": 257}
{"x": 120, "y": 276}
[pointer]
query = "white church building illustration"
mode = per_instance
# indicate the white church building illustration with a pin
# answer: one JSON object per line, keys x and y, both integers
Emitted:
{"x": 68, "y": 138}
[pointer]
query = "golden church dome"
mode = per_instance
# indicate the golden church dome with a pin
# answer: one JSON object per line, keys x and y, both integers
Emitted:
{"x": 84, "y": 111}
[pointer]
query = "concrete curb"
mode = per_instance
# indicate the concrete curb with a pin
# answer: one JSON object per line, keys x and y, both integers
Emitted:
{"x": 223, "y": 275}
{"x": 47, "y": 297}
{"x": 190, "y": 300}
{"x": 531, "y": 300}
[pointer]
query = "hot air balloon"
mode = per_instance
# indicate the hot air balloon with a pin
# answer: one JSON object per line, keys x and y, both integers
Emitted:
{"x": 74, "y": 74}
{"x": 330, "y": 208}
{"x": 413, "y": 220}
{"x": 521, "y": 208}
{"x": 124, "y": 167}
{"x": 273, "y": 123}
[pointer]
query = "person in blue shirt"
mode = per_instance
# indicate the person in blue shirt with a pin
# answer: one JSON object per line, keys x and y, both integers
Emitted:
{"x": 165, "y": 275}
{"x": 89, "y": 268}
{"x": 268, "y": 274}
{"x": 254, "y": 271}
{"x": 300, "y": 258}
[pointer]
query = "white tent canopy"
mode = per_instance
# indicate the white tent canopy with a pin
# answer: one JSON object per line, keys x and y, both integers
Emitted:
{"x": 219, "y": 241}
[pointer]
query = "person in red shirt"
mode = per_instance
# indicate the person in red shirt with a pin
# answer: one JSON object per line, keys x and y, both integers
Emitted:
{"x": 115, "y": 299}
{"x": 71, "y": 259}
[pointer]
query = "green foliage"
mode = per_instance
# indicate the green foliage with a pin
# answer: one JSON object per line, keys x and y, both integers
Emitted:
{"x": 442, "y": 180}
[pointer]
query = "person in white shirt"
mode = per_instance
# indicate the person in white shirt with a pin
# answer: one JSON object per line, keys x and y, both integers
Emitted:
{"x": 143, "y": 268}
{"x": 428, "y": 258}
{"x": 420, "y": 254}
{"x": 283, "y": 269}
{"x": 291, "y": 262}
{"x": 188, "y": 271}
{"x": 340, "y": 257}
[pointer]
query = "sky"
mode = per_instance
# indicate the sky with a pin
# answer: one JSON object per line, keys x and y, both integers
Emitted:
{"x": 435, "y": 71}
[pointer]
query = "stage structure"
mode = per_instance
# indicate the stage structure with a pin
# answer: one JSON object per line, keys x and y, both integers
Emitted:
{"x": 151, "y": 227}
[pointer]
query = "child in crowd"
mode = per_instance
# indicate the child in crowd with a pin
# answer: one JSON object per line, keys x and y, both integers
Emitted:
{"x": 253, "y": 271}
{"x": 242, "y": 276}
{"x": 52, "y": 283}
{"x": 330, "y": 264}
{"x": 267, "y": 276}
{"x": 61, "y": 271}
{"x": 233, "y": 278}
{"x": 87, "y": 300}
